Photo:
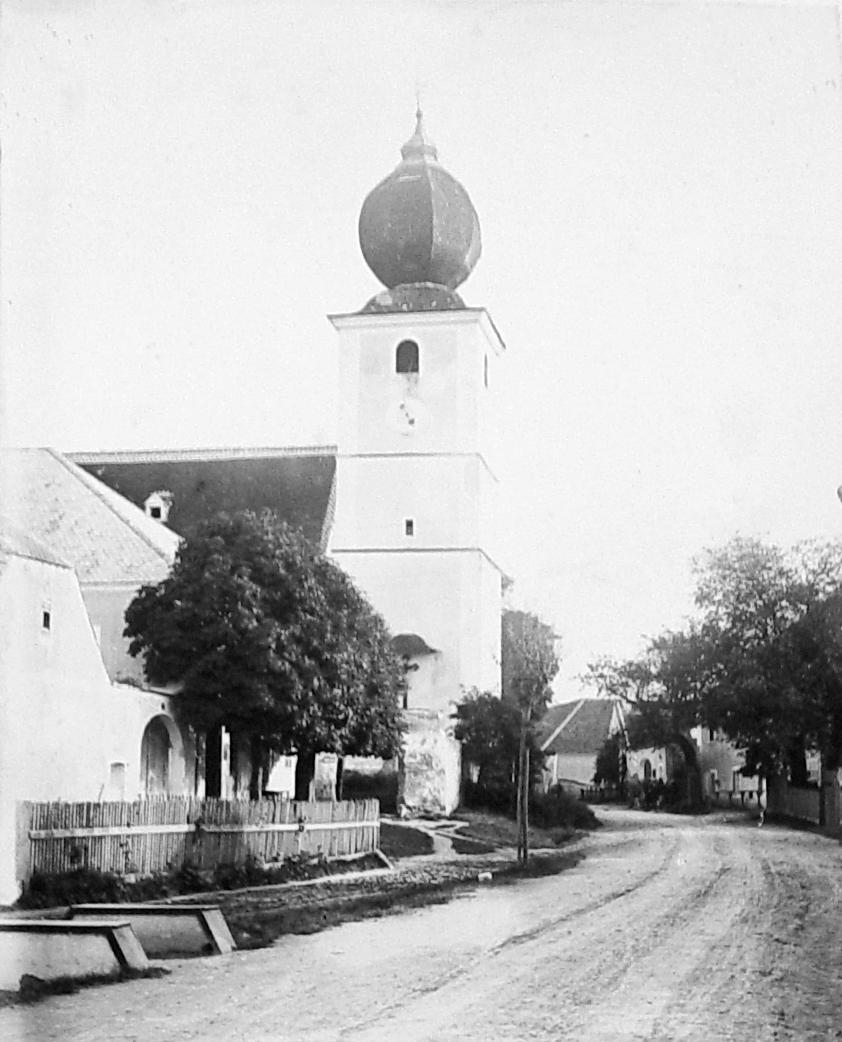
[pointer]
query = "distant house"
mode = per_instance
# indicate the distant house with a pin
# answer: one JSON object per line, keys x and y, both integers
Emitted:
{"x": 721, "y": 764}
{"x": 571, "y": 738}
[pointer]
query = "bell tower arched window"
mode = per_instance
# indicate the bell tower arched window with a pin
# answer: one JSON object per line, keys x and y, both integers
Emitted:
{"x": 406, "y": 357}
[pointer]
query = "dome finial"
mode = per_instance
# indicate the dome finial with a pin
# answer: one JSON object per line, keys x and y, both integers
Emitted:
{"x": 419, "y": 145}
{"x": 418, "y": 228}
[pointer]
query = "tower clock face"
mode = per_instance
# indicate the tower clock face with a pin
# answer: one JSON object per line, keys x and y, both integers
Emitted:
{"x": 407, "y": 415}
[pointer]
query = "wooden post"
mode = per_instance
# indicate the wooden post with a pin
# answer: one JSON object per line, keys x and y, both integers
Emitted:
{"x": 23, "y": 858}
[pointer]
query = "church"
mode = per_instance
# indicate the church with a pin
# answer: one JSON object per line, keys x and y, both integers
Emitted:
{"x": 406, "y": 500}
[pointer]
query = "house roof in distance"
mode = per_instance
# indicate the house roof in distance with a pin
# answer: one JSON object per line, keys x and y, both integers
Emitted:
{"x": 298, "y": 483}
{"x": 577, "y": 728}
{"x": 80, "y": 521}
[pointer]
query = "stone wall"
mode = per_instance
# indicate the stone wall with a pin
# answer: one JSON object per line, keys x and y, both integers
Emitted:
{"x": 430, "y": 771}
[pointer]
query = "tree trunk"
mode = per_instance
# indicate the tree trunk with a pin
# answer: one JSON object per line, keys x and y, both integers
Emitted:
{"x": 519, "y": 800}
{"x": 259, "y": 767}
{"x": 523, "y": 798}
{"x": 213, "y": 762}
{"x": 694, "y": 773}
{"x": 340, "y": 776}
{"x": 797, "y": 760}
{"x": 305, "y": 773}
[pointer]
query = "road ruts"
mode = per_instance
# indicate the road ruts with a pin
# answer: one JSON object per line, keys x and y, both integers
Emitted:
{"x": 669, "y": 929}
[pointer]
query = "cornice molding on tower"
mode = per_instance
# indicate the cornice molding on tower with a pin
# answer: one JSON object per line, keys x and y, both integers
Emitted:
{"x": 190, "y": 455}
{"x": 349, "y": 320}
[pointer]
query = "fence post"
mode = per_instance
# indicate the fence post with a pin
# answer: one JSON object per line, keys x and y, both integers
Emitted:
{"x": 23, "y": 857}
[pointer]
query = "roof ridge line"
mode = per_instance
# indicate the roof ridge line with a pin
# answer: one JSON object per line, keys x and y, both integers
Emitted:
{"x": 91, "y": 484}
{"x": 563, "y": 724}
{"x": 185, "y": 455}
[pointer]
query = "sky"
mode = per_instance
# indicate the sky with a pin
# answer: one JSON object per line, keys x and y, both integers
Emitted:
{"x": 659, "y": 187}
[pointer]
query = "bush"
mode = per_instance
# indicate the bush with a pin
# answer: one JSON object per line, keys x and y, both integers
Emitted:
{"x": 382, "y": 786}
{"x": 89, "y": 886}
{"x": 548, "y": 810}
{"x": 81, "y": 886}
{"x": 558, "y": 808}
{"x": 500, "y": 797}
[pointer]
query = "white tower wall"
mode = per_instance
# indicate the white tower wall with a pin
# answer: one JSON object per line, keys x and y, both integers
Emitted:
{"x": 415, "y": 522}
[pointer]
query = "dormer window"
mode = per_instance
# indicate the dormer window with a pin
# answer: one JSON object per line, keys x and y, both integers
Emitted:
{"x": 157, "y": 506}
{"x": 406, "y": 357}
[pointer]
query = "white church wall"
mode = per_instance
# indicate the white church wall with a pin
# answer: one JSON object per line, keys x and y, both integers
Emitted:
{"x": 376, "y": 497}
{"x": 418, "y": 593}
{"x": 65, "y": 732}
{"x": 106, "y": 606}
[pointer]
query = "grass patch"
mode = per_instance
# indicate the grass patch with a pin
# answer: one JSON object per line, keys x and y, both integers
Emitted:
{"x": 471, "y": 846}
{"x": 496, "y": 832}
{"x": 90, "y": 886}
{"x": 257, "y": 927}
{"x": 261, "y": 929}
{"x": 401, "y": 841}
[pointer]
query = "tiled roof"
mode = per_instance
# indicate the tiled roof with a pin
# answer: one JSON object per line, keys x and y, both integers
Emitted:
{"x": 296, "y": 483}
{"x": 577, "y": 727}
{"x": 20, "y": 544}
{"x": 102, "y": 536}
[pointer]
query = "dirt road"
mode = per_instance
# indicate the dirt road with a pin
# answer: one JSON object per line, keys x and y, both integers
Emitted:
{"x": 669, "y": 929}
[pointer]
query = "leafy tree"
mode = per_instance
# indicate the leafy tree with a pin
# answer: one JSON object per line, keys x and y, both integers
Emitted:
{"x": 770, "y": 618}
{"x": 610, "y": 768}
{"x": 529, "y": 665}
{"x": 762, "y": 660}
{"x": 270, "y": 639}
{"x": 489, "y": 729}
{"x": 665, "y": 688}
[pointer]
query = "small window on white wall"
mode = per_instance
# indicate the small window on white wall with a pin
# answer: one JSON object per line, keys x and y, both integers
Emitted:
{"x": 117, "y": 781}
{"x": 46, "y": 619}
{"x": 406, "y": 357}
{"x": 485, "y": 370}
{"x": 409, "y": 526}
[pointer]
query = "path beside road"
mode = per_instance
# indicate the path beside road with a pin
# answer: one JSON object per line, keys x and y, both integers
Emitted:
{"x": 669, "y": 929}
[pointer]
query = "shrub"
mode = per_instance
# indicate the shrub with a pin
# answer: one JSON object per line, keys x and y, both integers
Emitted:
{"x": 558, "y": 808}
{"x": 497, "y": 795}
{"x": 382, "y": 786}
{"x": 90, "y": 886}
{"x": 78, "y": 886}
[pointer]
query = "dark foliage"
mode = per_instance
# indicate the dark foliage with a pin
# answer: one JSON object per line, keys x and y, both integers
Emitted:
{"x": 558, "y": 809}
{"x": 382, "y": 786}
{"x": 611, "y": 763}
{"x": 270, "y": 638}
{"x": 89, "y": 886}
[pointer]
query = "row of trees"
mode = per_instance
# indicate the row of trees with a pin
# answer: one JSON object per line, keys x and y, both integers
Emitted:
{"x": 761, "y": 660}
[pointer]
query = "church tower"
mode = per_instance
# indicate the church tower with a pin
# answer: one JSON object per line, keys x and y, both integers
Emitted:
{"x": 416, "y": 487}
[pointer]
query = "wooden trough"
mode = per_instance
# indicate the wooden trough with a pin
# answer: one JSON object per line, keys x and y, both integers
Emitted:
{"x": 54, "y": 949}
{"x": 165, "y": 931}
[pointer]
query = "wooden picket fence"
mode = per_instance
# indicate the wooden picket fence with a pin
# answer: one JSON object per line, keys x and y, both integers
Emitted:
{"x": 154, "y": 835}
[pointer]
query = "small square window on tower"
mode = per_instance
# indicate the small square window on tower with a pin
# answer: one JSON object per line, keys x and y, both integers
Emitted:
{"x": 409, "y": 526}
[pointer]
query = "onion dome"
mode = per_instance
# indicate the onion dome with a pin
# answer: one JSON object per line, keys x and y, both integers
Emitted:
{"x": 418, "y": 226}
